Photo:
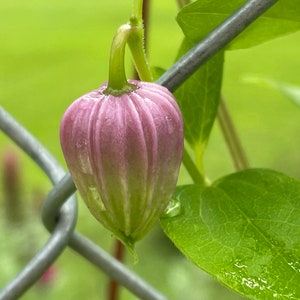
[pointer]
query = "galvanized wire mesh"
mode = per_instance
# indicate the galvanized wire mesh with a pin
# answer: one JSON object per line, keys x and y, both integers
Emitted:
{"x": 59, "y": 210}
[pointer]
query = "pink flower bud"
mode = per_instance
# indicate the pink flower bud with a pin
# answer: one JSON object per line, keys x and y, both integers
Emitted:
{"x": 124, "y": 154}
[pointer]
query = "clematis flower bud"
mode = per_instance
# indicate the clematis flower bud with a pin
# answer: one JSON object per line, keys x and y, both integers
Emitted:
{"x": 124, "y": 154}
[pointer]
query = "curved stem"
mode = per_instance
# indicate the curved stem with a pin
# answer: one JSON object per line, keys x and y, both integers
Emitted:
{"x": 133, "y": 34}
{"x": 136, "y": 45}
{"x": 231, "y": 137}
{"x": 136, "y": 42}
{"x": 117, "y": 81}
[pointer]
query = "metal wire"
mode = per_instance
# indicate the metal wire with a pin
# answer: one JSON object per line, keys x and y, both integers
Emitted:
{"x": 66, "y": 215}
{"x": 59, "y": 210}
{"x": 214, "y": 42}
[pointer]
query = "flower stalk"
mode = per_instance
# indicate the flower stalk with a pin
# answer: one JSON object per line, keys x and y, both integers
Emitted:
{"x": 133, "y": 35}
{"x": 117, "y": 81}
{"x": 136, "y": 18}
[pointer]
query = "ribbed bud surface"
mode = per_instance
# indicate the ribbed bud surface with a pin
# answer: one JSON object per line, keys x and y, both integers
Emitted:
{"x": 124, "y": 154}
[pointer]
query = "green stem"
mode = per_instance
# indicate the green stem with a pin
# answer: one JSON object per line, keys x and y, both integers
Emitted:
{"x": 117, "y": 81}
{"x": 133, "y": 35}
{"x": 231, "y": 137}
{"x": 136, "y": 45}
{"x": 192, "y": 168}
{"x": 136, "y": 18}
{"x": 136, "y": 42}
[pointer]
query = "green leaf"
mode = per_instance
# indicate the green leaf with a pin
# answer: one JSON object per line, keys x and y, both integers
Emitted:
{"x": 201, "y": 17}
{"x": 198, "y": 98}
{"x": 244, "y": 230}
{"x": 291, "y": 91}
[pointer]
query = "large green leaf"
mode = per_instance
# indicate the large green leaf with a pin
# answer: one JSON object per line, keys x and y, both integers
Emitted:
{"x": 244, "y": 230}
{"x": 198, "y": 98}
{"x": 201, "y": 17}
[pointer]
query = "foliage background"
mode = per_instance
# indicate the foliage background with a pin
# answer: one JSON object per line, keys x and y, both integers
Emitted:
{"x": 53, "y": 52}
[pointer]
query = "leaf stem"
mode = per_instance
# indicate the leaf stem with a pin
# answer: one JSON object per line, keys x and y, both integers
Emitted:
{"x": 231, "y": 137}
{"x": 192, "y": 168}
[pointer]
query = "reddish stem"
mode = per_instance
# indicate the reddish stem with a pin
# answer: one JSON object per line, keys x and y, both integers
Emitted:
{"x": 12, "y": 186}
{"x": 114, "y": 287}
{"x": 146, "y": 12}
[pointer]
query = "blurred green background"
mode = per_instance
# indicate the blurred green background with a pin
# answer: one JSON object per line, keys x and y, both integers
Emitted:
{"x": 53, "y": 52}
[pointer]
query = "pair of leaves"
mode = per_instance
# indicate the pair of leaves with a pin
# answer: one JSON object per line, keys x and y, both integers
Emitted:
{"x": 244, "y": 229}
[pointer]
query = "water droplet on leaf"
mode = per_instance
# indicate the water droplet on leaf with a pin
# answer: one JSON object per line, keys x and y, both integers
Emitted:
{"x": 173, "y": 209}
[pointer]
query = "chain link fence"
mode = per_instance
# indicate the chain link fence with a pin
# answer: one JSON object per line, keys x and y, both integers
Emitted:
{"x": 59, "y": 209}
